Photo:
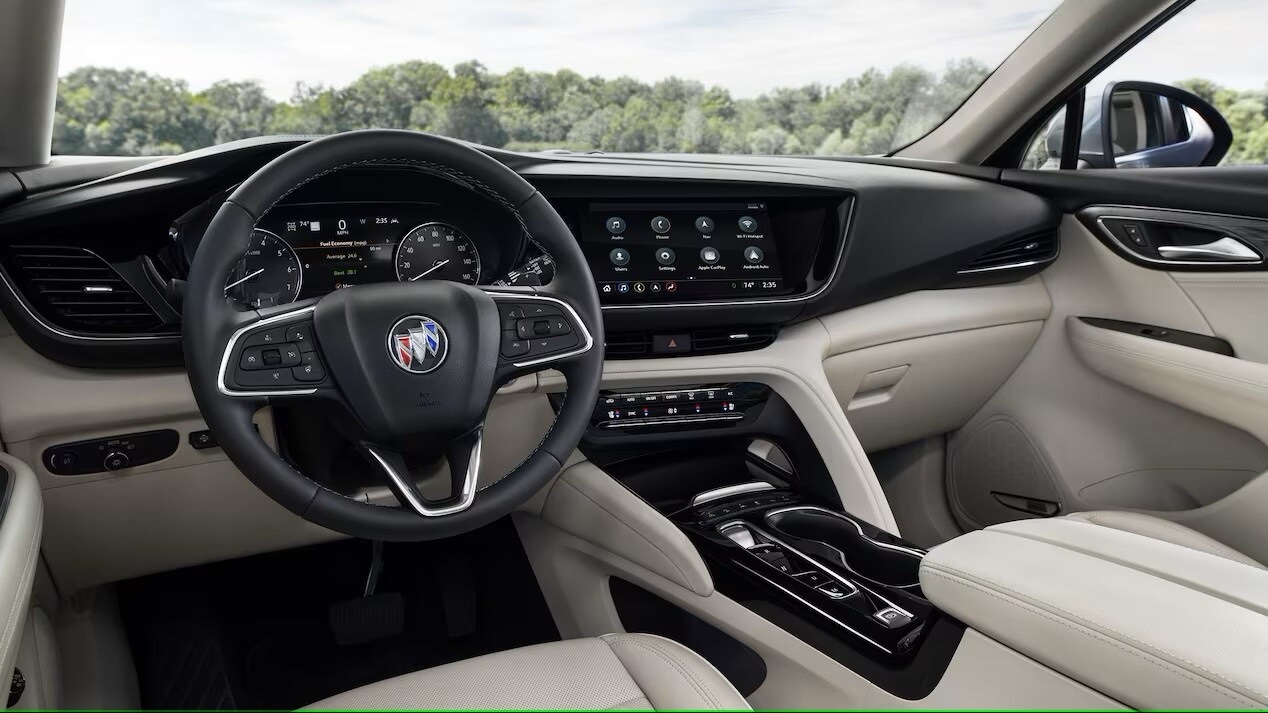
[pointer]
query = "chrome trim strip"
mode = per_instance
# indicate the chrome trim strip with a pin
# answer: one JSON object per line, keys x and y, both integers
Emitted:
{"x": 845, "y": 562}
{"x": 827, "y": 283}
{"x": 576, "y": 318}
{"x": 410, "y": 491}
{"x": 709, "y": 496}
{"x": 1009, "y": 266}
{"x": 1123, "y": 247}
{"x": 816, "y": 508}
{"x": 233, "y": 340}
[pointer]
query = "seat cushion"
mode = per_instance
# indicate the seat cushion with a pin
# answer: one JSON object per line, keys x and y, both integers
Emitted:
{"x": 1164, "y": 530}
{"x": 613, "y": 672}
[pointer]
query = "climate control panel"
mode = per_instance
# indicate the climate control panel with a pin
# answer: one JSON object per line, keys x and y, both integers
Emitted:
{"x": 679, "y": 407}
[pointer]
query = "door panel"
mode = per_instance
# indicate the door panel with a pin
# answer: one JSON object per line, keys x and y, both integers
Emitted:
{"x": 1106, "y": 423}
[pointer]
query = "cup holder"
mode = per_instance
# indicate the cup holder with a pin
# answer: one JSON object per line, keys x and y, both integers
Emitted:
{"x": 839, "y": 539}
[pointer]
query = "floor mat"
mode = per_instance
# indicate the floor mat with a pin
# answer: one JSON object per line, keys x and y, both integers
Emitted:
{"x": 255, "y": 632}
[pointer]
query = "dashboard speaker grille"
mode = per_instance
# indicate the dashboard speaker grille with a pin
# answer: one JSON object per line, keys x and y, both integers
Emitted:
{"x": 1024, "y": 252}
{"x": 77, "y": 290}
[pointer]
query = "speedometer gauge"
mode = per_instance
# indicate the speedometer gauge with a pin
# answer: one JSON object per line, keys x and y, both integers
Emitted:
{"x": 437, "y": 251}
{"x": 268, "y": 275}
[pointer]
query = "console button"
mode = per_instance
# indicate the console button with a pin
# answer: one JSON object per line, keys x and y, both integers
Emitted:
{"x": 302, "y": 336}
{"x": 833, "y": 590}
{"x": 892, "y": 618}
{"x": 813, "y": 579}
{"x": 776, "y": 558}
{"x": 671, "y": 343}
{"x": 276, "y": 335}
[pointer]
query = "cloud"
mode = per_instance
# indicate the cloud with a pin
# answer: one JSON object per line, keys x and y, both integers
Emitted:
{"x": 747, "y": 46}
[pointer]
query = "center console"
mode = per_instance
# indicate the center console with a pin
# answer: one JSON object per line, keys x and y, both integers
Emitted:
{"x": 732, "y": 467}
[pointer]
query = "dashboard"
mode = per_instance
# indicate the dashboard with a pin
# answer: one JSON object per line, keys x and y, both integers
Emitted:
{"x": 708, "y": 253}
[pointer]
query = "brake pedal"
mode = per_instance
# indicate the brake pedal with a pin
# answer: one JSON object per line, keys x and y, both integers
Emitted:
{"x": 372, "y": 616}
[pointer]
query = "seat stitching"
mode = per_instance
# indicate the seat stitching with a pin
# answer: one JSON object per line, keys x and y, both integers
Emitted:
{"x": 702, "y": 688}
{"x": 1144, "y": 647}
{"x": 1234, "y": 695}
{"x": 1216, "y": 548}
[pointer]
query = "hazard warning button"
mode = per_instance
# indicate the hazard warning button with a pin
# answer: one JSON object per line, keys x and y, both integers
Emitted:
{"x": 671, "y": 343}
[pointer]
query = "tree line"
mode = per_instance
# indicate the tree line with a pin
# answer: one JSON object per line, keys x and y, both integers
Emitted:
{"x": 108, "y": 111}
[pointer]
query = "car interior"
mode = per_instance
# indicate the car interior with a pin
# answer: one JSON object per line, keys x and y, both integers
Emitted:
{"x": 384, "y": 419}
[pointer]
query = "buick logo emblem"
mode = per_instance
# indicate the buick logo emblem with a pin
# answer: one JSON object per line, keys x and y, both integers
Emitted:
{"x": 418, "y": 344}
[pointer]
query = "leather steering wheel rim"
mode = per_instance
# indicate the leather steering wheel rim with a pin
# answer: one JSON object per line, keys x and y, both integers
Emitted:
{"x": 211, "y": 319}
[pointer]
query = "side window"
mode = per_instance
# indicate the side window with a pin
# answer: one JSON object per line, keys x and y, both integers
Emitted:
{"x": 1192, "y": 93}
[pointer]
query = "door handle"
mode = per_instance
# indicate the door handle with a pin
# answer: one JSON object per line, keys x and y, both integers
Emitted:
{"x": 1223, "y": 250}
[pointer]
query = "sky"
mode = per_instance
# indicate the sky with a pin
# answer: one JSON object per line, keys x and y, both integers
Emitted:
{"x": 747, "y": 46}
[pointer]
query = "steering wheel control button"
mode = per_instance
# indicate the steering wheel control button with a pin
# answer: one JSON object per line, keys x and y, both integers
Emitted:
{"x": 268, "y": 378}
{"x": 705, "y": 224}
{"x": 266, "y": 336}
{"x": 512, "y": 311}
{"x": 754, "y": 255}
{"x": 302, "y": 336}
{"x": 550, "y": 345}
{"x": 710, "y": 255}
{"x": 661, "y": 224}
{"x": 418, "y": 344}
{"x": 665, "y": 256}
{"x": 619, "y": 257}
{"x": 310, "y": 370}
{"x": 616, "y": 226}
{"x": 747, "y": 224}
{"x": 513, "y": 347}
{"x": 115, "y": 461}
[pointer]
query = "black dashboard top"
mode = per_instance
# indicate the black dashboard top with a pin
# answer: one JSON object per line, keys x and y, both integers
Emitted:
{"x": 741, "y": 240}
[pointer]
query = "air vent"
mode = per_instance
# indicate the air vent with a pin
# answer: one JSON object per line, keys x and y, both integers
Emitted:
{"x": 718, "y": 341}
{"x": 76, "y": 290}
{"x": 1025, "y": 252}
{"x": 627, "y": 345}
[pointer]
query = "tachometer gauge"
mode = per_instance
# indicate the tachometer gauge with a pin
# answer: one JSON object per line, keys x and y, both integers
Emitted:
{"x": 268, "y": 275}
{"x": 437, "y": 251}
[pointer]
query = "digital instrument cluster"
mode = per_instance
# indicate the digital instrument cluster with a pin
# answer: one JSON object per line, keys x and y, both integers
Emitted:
{"x": 302, "y": 251}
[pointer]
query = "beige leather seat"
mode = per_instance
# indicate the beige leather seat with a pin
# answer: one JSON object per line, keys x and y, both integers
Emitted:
{"x": 613, "y": 672}
{"x": 1164, "y": 530}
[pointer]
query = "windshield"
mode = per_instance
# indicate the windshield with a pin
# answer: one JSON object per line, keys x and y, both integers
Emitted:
{"x": 823, "y": 77}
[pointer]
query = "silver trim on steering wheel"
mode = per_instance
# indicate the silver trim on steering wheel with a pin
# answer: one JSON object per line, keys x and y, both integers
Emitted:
{"x": 414, "y": 500}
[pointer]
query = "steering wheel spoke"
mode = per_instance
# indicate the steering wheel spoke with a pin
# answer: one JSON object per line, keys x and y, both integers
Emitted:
{"x": 463, "y": 455}
{"x": 275, "y": 356}
{"x": 540, "y": 330}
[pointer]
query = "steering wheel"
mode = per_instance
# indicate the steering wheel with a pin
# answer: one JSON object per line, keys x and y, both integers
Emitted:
{"x": 411, "y": 363}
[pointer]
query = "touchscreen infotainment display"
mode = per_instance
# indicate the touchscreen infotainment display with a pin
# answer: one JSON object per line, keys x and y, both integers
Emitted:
{"x": 680, "y": 251}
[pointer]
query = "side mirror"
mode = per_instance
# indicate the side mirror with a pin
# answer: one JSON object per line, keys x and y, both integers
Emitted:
{"x": 1147, "y": 125}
